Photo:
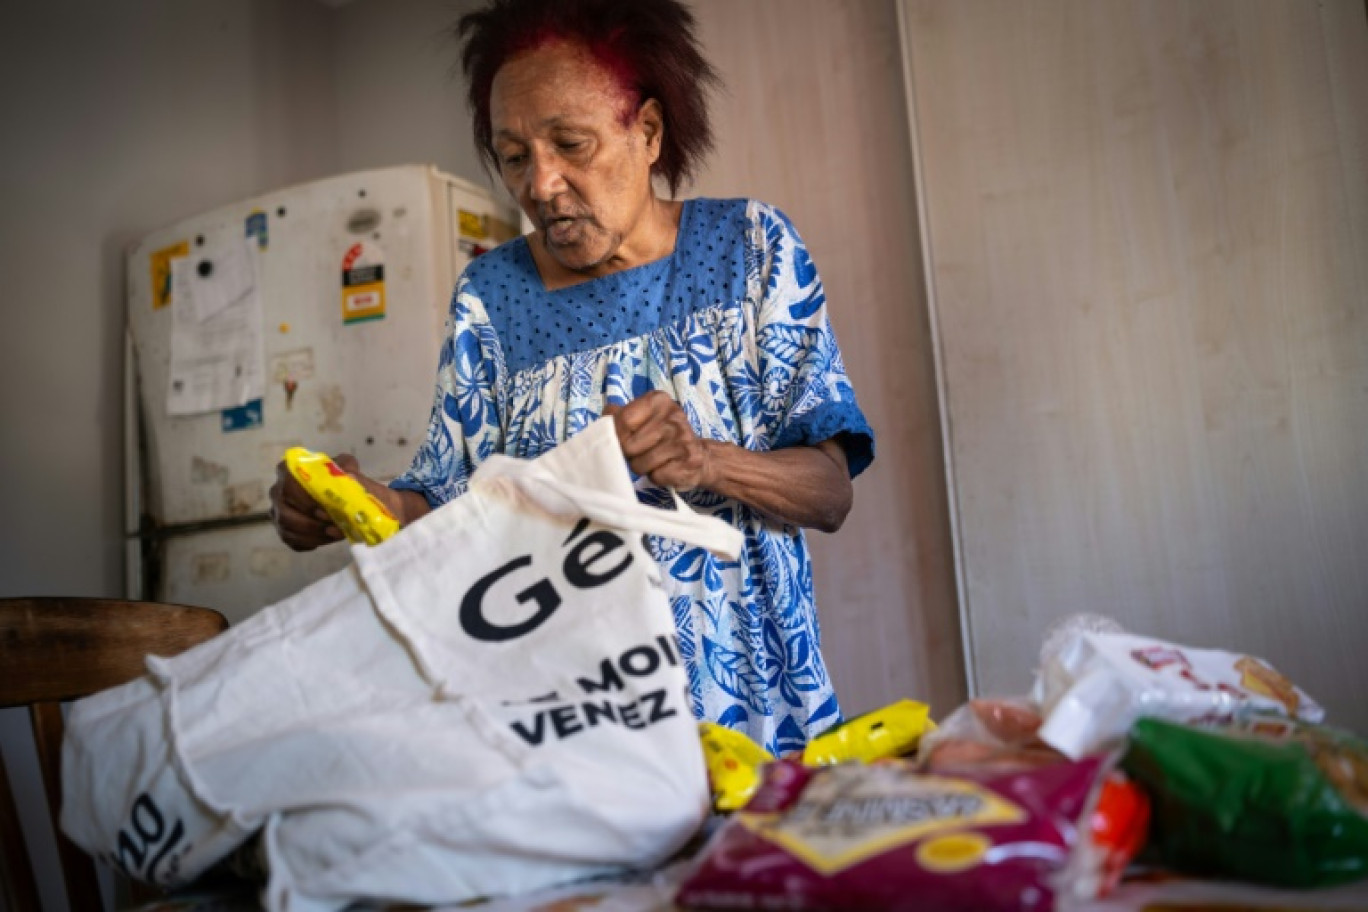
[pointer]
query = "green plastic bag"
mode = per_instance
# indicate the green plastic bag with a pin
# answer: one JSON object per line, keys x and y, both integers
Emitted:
{"x": 1264, "y": 800}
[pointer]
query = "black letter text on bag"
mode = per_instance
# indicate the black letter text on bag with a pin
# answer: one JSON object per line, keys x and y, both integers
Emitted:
{"x": 477, "y": 625}
{"x": 149, "y": 834}
{"x": 582, "y": 568}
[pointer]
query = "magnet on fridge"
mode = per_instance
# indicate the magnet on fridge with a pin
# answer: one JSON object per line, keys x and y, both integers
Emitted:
{"x": 160, "y": 265}
{"x": 472, "y": 249}
{"x": 257, "y": 228}
{"x": 471, "y": 224}
{"x": 243, "y": 417}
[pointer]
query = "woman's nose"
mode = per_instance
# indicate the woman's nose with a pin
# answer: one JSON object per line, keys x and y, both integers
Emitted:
{"x": 544, "y": 178}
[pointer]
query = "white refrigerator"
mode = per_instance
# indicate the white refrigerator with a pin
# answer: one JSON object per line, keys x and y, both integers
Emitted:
{"x": 312, "y": 316}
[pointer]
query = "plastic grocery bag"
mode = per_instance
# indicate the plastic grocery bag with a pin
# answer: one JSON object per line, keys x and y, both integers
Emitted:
{"x": 487, "y": 703}
{"x": 1097, "y": 684}
{"x": 1268, "y": 800}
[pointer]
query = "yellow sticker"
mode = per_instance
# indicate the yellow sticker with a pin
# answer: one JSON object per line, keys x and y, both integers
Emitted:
{"x": 499, "y": 230}
{"x": 363, "y": 283}
{"x": 363, "y": 302}
{"x": 160, "y": 262}
{"x": 1263, "y": 680}
{"x": 472, "y": 225}
{"x": 953, "y": 853}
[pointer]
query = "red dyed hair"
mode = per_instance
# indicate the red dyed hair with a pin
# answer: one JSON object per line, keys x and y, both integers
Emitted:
{"x": 648, "y": 45}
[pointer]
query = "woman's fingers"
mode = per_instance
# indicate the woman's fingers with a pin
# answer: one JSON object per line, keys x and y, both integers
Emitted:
{"x": 658, "y": 441}
{"x": 653, "y": 459}
{"x": 299, "y": 521}
{"x": 650, "y": 421}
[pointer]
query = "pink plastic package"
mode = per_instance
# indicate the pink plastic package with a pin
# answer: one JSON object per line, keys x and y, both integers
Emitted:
{"x": 883, "y": 836}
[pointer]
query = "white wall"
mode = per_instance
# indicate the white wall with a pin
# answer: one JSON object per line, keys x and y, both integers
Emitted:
{"x": 119, "y": 118}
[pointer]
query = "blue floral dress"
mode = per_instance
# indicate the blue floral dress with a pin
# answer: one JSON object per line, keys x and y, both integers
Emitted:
{"x": 733, "y": 326}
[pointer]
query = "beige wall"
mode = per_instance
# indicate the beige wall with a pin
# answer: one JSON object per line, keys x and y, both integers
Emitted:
{"x": 1149, "y": 237}
{"x": 814, "y": 120}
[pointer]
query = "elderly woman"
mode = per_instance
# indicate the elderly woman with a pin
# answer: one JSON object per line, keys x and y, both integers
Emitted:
{"x": 700, "y": 325}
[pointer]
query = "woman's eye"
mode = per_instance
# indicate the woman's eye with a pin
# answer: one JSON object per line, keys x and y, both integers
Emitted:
{"x": 513, "y": 160}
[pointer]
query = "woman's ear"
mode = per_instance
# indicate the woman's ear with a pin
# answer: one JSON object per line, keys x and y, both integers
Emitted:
{"x": 651, "y": 121}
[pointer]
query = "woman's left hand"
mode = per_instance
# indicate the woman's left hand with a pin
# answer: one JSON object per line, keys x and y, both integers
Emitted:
{"x": 805, "y": 485}
{"x": 659, "y": 442}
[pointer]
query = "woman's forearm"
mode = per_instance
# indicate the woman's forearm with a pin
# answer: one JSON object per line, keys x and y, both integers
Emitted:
{"x": 807, "y": 486}
{"x": 804, "y": 485}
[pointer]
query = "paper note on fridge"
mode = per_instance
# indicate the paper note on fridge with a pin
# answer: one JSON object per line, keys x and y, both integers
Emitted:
{"x": 218, "y": 362}
{"x": 221, "y": 276}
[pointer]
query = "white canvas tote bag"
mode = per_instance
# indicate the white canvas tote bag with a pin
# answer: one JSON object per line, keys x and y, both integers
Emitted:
{"x": 487, "y": 703}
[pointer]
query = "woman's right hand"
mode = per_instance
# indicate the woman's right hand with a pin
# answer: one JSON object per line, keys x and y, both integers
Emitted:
{"x": 299, "y": 520}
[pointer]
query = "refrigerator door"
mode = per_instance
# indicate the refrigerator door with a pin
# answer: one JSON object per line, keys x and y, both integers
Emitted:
{"x": 354, "y": 275}
{"x": 240, "y": 570}
{"x": 348, "y": 367}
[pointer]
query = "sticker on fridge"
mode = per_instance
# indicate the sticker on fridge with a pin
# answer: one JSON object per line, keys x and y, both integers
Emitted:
{"x": 257, "y": 227}
{"x": 363, "y": 283}
{"x": 160, "y": 265}
{"x": 242, "y": 418}
{"x": 472, "y": 249}
{"x": 472, "y": 224}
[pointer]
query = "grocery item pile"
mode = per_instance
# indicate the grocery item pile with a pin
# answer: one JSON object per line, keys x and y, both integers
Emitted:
{"x": 1131, "y": 754}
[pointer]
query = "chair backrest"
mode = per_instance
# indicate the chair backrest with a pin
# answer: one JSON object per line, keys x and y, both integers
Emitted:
{"x": 56, "y": 649}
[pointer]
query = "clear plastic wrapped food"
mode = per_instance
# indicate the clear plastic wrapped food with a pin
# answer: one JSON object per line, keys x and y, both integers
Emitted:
{"x": 988, "y": 734}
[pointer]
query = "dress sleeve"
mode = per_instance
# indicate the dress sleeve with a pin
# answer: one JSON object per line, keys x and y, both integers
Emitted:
{"x": 806, "y": 396}
{"x": 465, "y": 425}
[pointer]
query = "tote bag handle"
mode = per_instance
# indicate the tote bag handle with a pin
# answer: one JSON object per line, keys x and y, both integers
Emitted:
{"x": 564, "y": 499}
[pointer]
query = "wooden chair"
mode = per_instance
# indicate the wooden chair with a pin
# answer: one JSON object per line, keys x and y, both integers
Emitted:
{"x": 56, "y": 649}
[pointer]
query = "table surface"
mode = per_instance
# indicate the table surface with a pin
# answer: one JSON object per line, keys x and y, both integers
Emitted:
{"x": 653, "y": 893}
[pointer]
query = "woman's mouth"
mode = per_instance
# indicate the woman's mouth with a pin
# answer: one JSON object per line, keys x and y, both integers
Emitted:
{"x": 560, "y": 230}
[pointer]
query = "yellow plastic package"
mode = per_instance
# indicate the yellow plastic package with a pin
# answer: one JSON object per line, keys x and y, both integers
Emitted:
{"x": 361, "y": 517}
{"x": 734, "y": 762}
{"x": 891, "y": 731}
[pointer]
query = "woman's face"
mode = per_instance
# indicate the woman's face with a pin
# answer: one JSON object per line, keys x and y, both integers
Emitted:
{"x": 575, "y": 153}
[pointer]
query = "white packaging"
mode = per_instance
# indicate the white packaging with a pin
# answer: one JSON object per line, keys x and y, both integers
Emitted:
{"x": 1097, "y": 685}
